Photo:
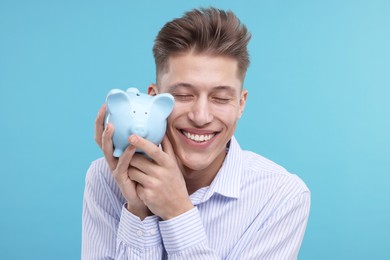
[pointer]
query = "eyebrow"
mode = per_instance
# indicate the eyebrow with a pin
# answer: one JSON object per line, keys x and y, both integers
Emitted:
{"x": 225, "y": 88}
{"x": 216, "y": 88}
{"x": 178, "y": 85}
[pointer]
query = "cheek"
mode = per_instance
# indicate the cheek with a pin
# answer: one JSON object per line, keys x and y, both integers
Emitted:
{"x": 178, "y": 111}
{"x": 174, "y": 118}
{"x": 173, "y": 115}
{"x": 229, "y": 113}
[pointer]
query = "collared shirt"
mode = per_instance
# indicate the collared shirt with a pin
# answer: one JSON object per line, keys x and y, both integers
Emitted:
{"x": 253, "y": 209}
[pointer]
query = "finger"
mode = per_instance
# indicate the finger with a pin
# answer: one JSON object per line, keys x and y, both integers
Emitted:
{"x": 139, "y": 177}
{"x": 121, "y": 170}
{"x": 167, "y": 146}
{"x": 108, "y": 147}
{"x": 99, "y": 128}
{"x": 152, "y": 150}
{"x": 143, "y": 163}
{"x": 141, "y": 192}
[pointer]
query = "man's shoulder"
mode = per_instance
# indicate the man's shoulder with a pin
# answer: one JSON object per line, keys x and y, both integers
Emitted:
{"x": 257, "y": 162}
{"x": 257, "y": 167}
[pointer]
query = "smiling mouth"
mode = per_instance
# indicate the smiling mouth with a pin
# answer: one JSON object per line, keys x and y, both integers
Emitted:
{"x": 199, "y": 138}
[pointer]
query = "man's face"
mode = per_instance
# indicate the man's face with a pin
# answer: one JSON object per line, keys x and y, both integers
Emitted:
{"x": 208, "y": 103}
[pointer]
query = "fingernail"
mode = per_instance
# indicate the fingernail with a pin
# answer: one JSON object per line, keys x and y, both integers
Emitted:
{"x": 133, "y": 139}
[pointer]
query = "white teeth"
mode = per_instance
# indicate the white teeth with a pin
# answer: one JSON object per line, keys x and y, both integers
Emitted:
{"x": 198, "y": 138}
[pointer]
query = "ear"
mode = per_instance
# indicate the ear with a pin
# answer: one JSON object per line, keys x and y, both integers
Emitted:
{"x": 244, "y": 95}
{"x": 163, "y": 103}
{"x": 116, "y": 100}
{"x": 152, "y": 90}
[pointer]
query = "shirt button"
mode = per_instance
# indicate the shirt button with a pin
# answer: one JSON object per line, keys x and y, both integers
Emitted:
{"x": 139, "y": 233}
{"x": 152, "y": 232}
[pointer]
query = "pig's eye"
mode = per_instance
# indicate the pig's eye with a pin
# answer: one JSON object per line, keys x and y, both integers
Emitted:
{"x": 146, "y": 113}
{"x": 134, "y": 112}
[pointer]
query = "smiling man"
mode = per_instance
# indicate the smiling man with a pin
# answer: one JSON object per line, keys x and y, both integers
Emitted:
{"x": 209, "y": 102}
{"x": 199, "y": 196}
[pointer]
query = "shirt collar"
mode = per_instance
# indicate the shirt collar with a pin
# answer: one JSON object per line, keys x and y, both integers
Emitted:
{"x": 227, "y": 182}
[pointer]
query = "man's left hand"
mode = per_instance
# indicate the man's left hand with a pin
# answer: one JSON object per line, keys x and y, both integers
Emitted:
{"x": 161, "y": 183}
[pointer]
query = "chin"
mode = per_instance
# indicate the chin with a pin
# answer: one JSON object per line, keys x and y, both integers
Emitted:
{"x": 201, "y": 161}
{"x": 193, "y": 161}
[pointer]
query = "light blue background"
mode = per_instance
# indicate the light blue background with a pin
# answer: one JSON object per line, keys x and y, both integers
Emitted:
{"x": 318, "y": 105}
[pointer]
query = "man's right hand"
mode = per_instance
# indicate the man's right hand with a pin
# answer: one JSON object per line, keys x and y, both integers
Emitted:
{"x": 119, "y": 167}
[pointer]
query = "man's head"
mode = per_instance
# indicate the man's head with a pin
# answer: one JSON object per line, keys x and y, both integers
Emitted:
{"x": 205, "y": 31}
{"x": 201, "y": 60}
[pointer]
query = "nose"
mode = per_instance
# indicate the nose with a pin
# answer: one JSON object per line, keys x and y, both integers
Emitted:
{"x": 200, "y": 113}
{"x": 140, "y": 130}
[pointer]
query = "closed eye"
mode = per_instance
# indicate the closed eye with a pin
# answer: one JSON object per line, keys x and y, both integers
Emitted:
{"x": 182, "y": 97}
{"x": 221, "y": 100}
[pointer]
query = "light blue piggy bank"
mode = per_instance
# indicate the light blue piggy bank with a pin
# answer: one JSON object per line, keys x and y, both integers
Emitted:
{"x": 132, "y": 112}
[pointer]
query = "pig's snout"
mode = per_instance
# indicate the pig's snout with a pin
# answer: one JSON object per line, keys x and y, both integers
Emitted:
{"x": 140, "y": 130}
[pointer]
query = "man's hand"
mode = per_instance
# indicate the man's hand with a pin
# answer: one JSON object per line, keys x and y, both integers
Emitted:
{"x": 99, "y": 128}
{"x": 119, "y": 167}
{"x": 161, "y": 185}
{"x": 103, "y": 137}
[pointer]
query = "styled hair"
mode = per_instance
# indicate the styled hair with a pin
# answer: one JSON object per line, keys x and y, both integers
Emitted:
{"x": 204, "y": 31}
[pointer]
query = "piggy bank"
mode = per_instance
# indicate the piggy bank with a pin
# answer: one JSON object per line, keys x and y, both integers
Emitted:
{"x": 132, "y": 112}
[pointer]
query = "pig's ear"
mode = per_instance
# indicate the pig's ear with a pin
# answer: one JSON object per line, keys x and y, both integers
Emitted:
{"x": 117, "y": 100}
{"x": 163, "y": 103}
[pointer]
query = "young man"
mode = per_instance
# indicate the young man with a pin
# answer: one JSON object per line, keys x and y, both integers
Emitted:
{"x": 200, "y": 196}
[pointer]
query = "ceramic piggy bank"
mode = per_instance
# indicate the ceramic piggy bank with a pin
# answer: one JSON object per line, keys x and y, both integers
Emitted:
{"x": 132, "y": 112}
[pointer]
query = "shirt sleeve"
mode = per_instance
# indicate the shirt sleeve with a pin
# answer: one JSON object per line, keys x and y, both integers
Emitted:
{"x": 184, "y": 237}
{"x": 109, "y": 230}
{"x": 138, "y": 239}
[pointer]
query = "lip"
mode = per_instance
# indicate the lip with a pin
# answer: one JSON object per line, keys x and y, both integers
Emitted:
{"x": 194, "y": 144}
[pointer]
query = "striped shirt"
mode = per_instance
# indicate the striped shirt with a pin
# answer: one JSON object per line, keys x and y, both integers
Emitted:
{"x": 253, "y": 209}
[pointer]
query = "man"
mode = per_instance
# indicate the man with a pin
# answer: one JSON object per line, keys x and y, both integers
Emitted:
{"x": 199, "y": 196}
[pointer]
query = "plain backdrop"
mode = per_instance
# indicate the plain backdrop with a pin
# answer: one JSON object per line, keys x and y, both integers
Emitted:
{"x": 318, "y": 105}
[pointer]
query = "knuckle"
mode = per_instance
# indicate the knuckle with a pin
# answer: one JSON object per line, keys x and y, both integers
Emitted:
{"x": 151, "y": 183}
{"x": 104, "y": 134}
{"x": 106, "y": 137}
{"x": 147, "y": 195}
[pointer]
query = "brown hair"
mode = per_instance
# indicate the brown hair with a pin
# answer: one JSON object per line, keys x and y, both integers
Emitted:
{"x": 207, "y": 30}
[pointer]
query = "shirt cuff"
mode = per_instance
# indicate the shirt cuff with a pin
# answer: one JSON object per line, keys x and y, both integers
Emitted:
{"x": 137, "y": 233}
{"x": 183, "y": 231}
